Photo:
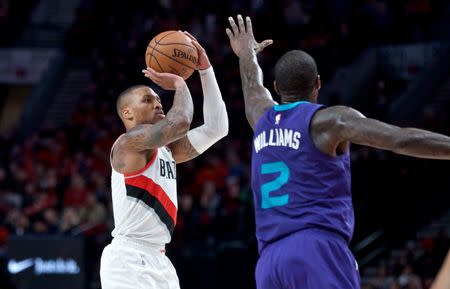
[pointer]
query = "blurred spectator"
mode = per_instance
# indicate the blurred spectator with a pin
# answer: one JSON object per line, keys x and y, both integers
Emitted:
{"x": 186, "y": 228}
{"x": 381, "y": 280}
{"x": 441, "y": 245}
{"x": 395, "y": 285}
{"x": 408, "y": 279}
{"x": 4, "y": 234}
{"x": 77, "y": 192}
{"x": 40, "y": 227}
{"x": 51, "y": 217}
{"x": 18, "y": 222}
{"x": 93, "y": 212}
{"x": 70, "y": 221}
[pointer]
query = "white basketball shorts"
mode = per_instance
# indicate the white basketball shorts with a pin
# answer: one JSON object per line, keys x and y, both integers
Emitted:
{"x": 129, "y": 264}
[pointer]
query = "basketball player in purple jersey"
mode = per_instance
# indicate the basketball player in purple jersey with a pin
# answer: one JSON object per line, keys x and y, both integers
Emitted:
{"x": 301, "y": 168}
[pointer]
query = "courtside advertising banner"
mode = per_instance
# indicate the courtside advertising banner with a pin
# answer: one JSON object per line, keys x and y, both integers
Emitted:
{"x": 46, "y": 262}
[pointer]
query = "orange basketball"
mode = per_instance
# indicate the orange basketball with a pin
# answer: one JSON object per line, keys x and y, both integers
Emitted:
{"x": 172, "y": 51}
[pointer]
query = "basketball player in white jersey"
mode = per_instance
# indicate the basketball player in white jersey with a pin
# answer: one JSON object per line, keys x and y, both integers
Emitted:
{"x": 143, "y": 181}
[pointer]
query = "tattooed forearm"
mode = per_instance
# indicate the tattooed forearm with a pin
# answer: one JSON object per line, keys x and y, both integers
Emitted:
{"x": 174, "y": 126}
{"x": 182, "y": 109}
{"x": 251, "y": 73}
{"x": 256, "y": 97}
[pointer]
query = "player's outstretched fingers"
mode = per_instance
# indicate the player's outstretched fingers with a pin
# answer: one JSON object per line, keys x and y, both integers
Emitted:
{"x": 153, "y": 75}
{"x": 229, "y": 33}
{"x": 190, "y": 35}
{"x": 198, "y": 46}
{"x": 233, "y": 25}
{"x": 146, "y": 72}
{"x": 264, "y": 44}
{"x": 248, "y": 23}
{"x": 241, "y": 23}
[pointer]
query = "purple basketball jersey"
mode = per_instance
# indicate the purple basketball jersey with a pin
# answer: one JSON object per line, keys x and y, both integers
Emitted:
{"x": 295, "y": 185}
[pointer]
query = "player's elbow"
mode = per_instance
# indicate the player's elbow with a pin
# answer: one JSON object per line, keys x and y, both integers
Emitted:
{"x": 223, "y": 128}
{"x": 225, "y": 131}
{"x": 222, "y": 132}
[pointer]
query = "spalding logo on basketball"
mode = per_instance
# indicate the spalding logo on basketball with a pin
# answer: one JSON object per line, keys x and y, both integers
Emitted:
{"x": 172, "y": 51}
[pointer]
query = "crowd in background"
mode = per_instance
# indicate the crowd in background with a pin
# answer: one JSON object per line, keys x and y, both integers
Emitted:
{"x": 13, "y": 18}
{"x": 57, "y": 180}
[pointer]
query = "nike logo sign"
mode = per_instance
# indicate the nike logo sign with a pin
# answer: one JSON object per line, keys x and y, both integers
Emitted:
{"x": 15, "y": 267}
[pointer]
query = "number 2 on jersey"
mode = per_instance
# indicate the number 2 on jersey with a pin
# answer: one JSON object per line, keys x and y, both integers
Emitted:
{"x": 270, "y": 168}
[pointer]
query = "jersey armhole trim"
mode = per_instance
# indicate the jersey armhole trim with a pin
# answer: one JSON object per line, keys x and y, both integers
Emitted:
{"x": 313, "y": 145}
{"x": 144, "y": 168}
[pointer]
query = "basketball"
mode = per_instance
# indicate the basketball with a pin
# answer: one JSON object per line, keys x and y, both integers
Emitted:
{"x": 172, "y": 51}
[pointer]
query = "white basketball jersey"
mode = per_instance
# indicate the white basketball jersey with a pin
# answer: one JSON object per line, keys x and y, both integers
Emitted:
{"x": 145, "y": 202}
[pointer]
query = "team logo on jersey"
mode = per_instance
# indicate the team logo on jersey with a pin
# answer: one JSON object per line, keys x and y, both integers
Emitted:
{"x": 277, "y": 119}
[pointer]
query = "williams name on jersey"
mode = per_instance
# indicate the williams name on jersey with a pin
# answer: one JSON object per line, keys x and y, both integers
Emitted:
{"x": 277, "y": 137}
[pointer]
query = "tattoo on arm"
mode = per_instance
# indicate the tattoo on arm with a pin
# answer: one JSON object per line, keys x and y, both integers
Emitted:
{"x": 256, "y": 97}
{"x": 174, "y": 126}
{"x": 182, "y": 108}
{"x": 182, "y": 150}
